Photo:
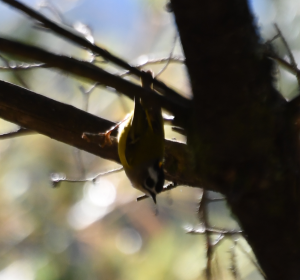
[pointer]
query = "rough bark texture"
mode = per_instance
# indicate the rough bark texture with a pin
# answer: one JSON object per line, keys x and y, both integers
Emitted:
{"x": 242, "y": 134}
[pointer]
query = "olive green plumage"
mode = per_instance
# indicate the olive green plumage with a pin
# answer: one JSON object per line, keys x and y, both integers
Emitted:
{"x": 141, "y": 148}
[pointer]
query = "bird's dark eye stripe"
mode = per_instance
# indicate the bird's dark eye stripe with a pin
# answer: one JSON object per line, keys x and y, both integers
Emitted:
{"x": 149, "y": 183}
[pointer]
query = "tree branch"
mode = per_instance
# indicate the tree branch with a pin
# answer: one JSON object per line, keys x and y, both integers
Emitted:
{"x": 92, "y": 72}
{"x": 78, "y": 39}
{"x": 66, "y": 124}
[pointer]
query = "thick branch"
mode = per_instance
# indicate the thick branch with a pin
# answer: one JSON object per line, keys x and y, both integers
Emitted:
{"x": 92, "y": 72}
{"x": 66, "y": 124}
{"x": 78, "y": 39}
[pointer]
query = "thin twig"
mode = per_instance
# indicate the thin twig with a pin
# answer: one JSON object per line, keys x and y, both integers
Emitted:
{"x": 90, "y": 71}
{"x": 253, "y": 261}
{"x": 86, "y": 95}
{"x": 290, "y": 54}
{"x": 218, "y": 240}
{"x": 288, "y": 66}
{"x": 214, "y": 230}
{"x": 57, "y": 178}
{"x": 291, "y": 57}
{"x": 23, "y": 66}
{"x": 173, "y": 59}
{"x": 18, "y": 77}
{"x": 66, "y": 124}
{"x": 60, "y": 30}
{"x": 48, "y": 5}
{"x": 170, "y": 55}
{"x": 19, "y": 132}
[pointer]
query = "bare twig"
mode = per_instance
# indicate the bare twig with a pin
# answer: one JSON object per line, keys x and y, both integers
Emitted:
{"x": 86, "y": 95}
{"x": 66, "y": 124}
{"x": 170, "y": 55}
{"x": 214, "y": 230}
{"x": 57, "y": 178}
{"x": 18, "y": 77}
{"x": 290, "y": 54}
{"x": 173, "y": 59}
{"x": 284, "y": 64}
{"x": 218, "y": 240}
{"x": 253, "y": 261}
{"x": 78, "y": 39}
{"x": 19, "y": 132}
{"x": 48, "y": 5}
{"x": 291, "y": 57}
{"x": 90, "y": 71}
{"x": 23, "y": 66}
{"x": 207, "y": 231}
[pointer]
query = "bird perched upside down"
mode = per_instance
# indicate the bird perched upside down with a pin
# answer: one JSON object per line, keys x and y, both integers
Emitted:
{"x": 141, "y": 148}
{"x": 141, "y": 144}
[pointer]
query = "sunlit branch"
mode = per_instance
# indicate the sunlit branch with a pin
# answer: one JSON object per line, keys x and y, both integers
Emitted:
{"x": 22, "y": 66}
{"x": 214, "y": 230}
{"x": 78, "y": 39}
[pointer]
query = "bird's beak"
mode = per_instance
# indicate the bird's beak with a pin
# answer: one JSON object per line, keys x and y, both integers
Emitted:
{"x": 153, "y": 195}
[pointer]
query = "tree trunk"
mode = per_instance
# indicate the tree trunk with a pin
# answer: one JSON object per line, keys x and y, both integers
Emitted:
{"x": 242, "y": 132}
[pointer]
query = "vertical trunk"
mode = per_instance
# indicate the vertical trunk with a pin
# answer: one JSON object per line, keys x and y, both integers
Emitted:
{"x": 241, "y": 132}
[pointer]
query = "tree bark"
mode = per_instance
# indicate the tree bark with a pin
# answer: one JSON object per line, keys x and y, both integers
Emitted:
{"x": 242, "y": 133}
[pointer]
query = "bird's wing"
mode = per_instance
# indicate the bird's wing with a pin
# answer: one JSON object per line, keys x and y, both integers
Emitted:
{"x": 139, "y": 123}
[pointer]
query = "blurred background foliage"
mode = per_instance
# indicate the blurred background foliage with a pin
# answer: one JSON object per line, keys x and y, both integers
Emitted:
{"x": 99, "y": 231}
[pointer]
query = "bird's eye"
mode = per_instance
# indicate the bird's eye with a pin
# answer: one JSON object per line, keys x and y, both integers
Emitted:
{"x": 149, "y": 183}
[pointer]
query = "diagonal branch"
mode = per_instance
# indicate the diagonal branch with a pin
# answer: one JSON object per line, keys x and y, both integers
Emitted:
{"x": 78, "y": 39}
{"x": 92, "y": 72}
{"x": 66, "y": 124}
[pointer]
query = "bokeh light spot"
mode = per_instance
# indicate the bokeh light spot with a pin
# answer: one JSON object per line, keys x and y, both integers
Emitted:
{"x": 129, "y": 241}
{"x": 101, "y": 193}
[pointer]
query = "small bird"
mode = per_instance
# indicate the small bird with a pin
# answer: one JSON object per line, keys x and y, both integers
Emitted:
{"x": 141, "y": 148}
{"x": 140, "y": 143}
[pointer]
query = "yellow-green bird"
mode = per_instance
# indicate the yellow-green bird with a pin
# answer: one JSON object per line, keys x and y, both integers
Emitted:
{"x": 141, "y": 148}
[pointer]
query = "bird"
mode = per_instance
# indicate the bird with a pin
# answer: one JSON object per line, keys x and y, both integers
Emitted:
{"x": 140, "y": 143}
{"x": 141, "y": 148}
